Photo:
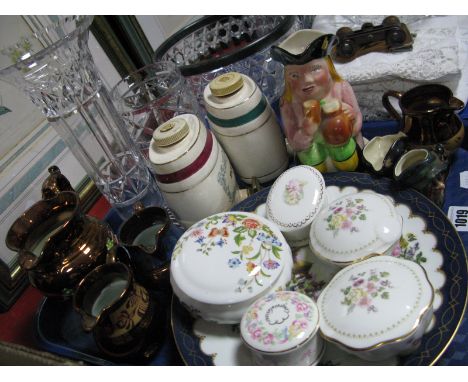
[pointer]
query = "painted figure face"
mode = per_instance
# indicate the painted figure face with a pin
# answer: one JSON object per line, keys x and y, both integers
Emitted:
{"x": 309, "y": 81}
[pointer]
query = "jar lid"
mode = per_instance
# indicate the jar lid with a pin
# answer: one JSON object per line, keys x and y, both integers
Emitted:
{"x": 355, "y": 227}
{"x": 295, "y": 198}
{"x": 228, "y": 258}
{"x": 179, "y": 139}
{"x": 279, "y": 322}
{"x": 226, "y": 84}
{"x": 375, "y": 302}
{"x": 170, "y": 132}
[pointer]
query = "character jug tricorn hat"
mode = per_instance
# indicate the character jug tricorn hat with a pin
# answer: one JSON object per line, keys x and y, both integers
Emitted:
{"x": 303, "y": 46}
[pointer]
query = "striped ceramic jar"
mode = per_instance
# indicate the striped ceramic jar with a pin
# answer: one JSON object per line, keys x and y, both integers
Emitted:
{"x": 192, "y": 170}
{"x": 246, "y": 127}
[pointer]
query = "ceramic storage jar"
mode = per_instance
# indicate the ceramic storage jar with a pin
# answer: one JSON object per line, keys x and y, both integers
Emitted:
{"x": 355, "y": 227}
{"x": 225, "y": 262}
{"x": 192, "y": 170}
{"x": 377, "y": 308}
{"x": 246, "y": 127}
{"x": 281, "y": 329}
{"x": 294, "y": 200}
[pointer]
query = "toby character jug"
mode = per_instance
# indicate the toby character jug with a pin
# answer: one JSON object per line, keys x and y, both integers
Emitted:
{"x": 311, "y": 82}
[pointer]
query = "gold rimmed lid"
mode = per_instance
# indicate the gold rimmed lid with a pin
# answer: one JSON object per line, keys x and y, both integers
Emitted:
{"x": 171, "y": 132}
{"x": 376, "y": 302}
{"x": 226, "y": 84}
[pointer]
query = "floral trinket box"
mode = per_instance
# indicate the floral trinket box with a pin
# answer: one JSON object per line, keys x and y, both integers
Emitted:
{"x": 294, "y": 200}
{"x": 354, "y": 228}
{"x": 281, "y": 329}
{"x": 377, "y": 308}
{"x": 225, "y": 262}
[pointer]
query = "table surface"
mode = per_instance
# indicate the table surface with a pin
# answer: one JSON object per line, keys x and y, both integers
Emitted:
{"x": 18, "y": 324}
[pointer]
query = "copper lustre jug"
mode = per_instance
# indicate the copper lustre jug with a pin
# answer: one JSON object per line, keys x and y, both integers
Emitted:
{"x": 121, "y": 314}
{"x": 428, "y": 115}
{"x": 58, "y": 244}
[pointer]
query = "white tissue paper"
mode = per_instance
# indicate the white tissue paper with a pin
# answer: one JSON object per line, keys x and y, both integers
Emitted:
{"x": 439, "y": 55}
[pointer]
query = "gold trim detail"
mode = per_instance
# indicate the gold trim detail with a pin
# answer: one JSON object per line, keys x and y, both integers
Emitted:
{"x": 415, "y": 326}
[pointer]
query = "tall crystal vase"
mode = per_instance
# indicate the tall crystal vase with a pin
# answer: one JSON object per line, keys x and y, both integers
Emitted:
{"x": 55, "y": 68}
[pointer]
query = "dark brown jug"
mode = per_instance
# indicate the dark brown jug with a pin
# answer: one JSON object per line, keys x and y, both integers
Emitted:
{"x": 58, "y": 244}
{"x": 144, "y": 235}
{"x": 428, "y": 115}
{"x": 125, "y": 320}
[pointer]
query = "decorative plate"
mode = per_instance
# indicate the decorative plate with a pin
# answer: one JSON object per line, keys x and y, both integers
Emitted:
{"x": 428, "y": 238}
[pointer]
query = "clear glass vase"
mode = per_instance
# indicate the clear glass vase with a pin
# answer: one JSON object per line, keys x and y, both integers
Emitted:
{"x": 151, "y": 96}
{"x": 54, "y": 67}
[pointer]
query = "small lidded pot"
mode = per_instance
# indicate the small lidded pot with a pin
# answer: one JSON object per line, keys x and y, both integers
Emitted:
{"x": 225, "y": 262}
{"x": 246, "y": 127}
{"x": 377, "y": 308}
{"x": 281, "y": 329}
{"x": 355, "y": 227}
{"x": 294, "y": 200}
{"x": 192, "y": 170}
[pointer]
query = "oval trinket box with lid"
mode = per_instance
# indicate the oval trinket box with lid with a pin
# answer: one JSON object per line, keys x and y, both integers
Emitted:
{"x": 281, "y": 329}
{"x": 225, "y": 262}
{"x": 377, "y": 308}
{"x": 294, "y": 200}
{"x": 246, "y": 127}
{"x": 355, "y": 227}
{"x": 192, "y": 170}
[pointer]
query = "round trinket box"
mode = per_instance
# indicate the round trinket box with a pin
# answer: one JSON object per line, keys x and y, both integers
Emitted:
{"x": 281, "y": 329}
{"x": 354, "y": 227}
{"x": 192, "y": 170}
{"x": 294, "y": 200}
{"x": 246, "y": 127}
{"x": 377, "y": 308}
{"x": 225, "y": 262}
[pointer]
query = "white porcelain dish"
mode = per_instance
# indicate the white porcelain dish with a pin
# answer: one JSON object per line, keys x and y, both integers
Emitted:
{"x": 377, "y": 308}
{"x": 225, "y": 262}
{"x": 355, "y": 227}
{"x": 294, "y": 200}
{"x": 377, "y": 148}
{"x": 281, "y": 329}
{"x": 190, "y": 165}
